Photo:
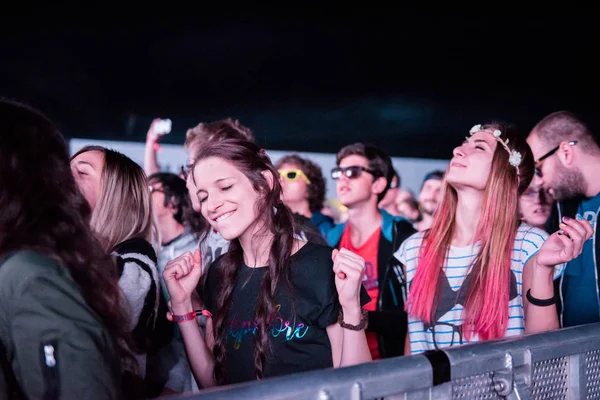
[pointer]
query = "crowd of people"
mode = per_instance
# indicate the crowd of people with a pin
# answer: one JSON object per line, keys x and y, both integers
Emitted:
{"x": 123, "y": 281}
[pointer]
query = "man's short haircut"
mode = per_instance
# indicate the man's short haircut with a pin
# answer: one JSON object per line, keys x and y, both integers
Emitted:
{"x": 377, "y": 159}
{"x": 563, "y": 126}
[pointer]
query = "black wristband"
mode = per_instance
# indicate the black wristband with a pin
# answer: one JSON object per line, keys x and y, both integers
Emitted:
{"x": 540, "y": 302}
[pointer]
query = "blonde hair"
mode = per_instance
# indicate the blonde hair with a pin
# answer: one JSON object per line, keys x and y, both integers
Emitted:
{"x": 124, "y": 208}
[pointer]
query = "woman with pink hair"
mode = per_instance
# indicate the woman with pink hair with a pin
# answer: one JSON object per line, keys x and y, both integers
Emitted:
{"x": 479, "y": 273}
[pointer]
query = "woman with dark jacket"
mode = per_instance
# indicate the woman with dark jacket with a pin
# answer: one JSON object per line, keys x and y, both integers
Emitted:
{"x": 61, "y": 319}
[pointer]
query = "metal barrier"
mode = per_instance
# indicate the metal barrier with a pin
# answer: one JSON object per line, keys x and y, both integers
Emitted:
{"x": 563, "y": 364}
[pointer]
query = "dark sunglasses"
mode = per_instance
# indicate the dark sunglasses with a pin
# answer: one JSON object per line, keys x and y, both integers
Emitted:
{"x": 538, "y": 170}
{"x": 352, "y": 172}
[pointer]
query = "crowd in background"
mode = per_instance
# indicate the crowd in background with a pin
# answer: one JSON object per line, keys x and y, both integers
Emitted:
{"x": 119, "y": 280}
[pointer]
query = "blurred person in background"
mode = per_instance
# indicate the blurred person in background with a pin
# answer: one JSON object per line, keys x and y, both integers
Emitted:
{"x": 409, "y": 209}
{"x": 388, "y": 203}
{"x": 168, "y": 370}
{"x": 535, "y": 206}
{"x": 429, "y": 198}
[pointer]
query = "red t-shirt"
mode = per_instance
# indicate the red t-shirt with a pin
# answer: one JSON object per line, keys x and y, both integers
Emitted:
{"x": 368, "y": 250}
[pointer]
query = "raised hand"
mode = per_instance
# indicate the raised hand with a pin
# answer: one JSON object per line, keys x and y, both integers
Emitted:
{"x": 566, "y": 244}
{"x": 348, "y": 268}
{"x": 152, "y": 137}
{"x": 181, "y": 277}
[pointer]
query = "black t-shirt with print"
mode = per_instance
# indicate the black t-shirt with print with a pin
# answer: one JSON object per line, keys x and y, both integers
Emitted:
{"x": 297, "y": 343}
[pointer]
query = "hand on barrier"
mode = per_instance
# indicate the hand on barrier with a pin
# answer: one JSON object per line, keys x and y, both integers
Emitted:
{"x": 181, "y": 278}
{"x": 566, "y": 244}
{"x": 349, "y": 269}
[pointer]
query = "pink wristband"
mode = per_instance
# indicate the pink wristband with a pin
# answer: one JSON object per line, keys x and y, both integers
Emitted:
{"x": 186, "y": 317}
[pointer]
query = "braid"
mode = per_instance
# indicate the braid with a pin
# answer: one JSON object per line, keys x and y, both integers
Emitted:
{"x": 279, "y": 267}
{"x": 228, "y": 277}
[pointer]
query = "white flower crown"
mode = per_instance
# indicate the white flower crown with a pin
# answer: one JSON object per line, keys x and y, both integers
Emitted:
{"x": 514, "y": 157}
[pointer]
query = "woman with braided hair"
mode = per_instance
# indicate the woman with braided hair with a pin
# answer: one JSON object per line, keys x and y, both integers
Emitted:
{"x": 275, "y": 304}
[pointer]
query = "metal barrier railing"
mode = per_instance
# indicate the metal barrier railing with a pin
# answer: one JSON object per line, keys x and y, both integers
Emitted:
{"x": 562, "y": 364}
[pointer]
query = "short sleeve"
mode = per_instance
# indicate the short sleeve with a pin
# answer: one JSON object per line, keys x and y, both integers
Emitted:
{"x": 532, "y": 240}
{"x": 400, "y": 254}
{"x": 208, "y": 291}
{"x": 332, "y": 307}
{"x": 316, "y": 281}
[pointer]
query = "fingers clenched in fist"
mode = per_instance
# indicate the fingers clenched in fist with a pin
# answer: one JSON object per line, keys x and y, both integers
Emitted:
{"x": 348, "y": 269}
{"x": 181, "y": 277}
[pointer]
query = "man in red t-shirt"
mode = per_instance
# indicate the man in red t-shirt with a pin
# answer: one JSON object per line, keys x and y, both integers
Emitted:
{"x": 362, "y": 178}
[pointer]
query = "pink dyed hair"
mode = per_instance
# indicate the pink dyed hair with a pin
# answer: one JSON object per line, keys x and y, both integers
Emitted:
{"x": 486, "y": 308}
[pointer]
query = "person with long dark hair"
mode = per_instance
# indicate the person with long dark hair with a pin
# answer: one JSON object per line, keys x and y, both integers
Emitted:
{"x": 61, "y": 319}
{"x": 280, "y": 305}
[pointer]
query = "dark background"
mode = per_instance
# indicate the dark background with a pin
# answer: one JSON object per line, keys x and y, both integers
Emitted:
{"x": 410, "y": 82}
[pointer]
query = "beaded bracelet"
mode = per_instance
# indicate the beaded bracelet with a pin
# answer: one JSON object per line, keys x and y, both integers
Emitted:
{"x": 362, "y": 325}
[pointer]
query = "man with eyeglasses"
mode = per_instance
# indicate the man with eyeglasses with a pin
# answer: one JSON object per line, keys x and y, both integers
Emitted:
{"x": 568, "y": 168}
{"x": 363, "y": 176}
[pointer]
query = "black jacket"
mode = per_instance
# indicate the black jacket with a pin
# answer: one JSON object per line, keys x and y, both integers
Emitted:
{"x": 569, "y": 208}
{"x": 389, "y": 321}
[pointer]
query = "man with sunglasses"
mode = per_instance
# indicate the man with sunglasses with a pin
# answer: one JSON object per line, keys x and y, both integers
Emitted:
{"x": 363, "y": 176}
{"x": 567, "y": 167}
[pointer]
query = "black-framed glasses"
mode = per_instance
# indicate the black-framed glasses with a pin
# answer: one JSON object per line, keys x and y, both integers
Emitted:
{"x": 445, "y": 328}
{"x": 538, "y": 162}
{"x": 351, "y": 172}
